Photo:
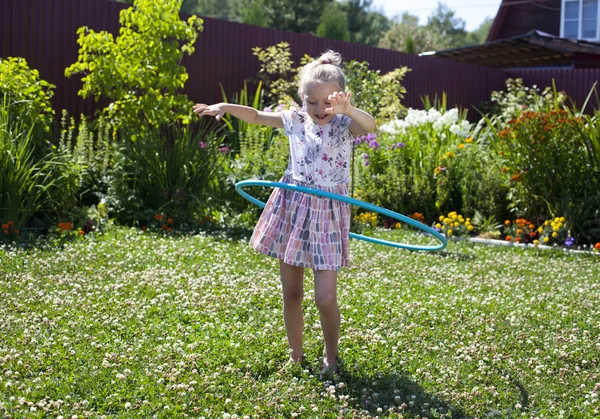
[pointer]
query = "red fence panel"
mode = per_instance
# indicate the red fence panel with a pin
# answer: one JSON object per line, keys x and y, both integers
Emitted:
{"x": 44, "y": 32}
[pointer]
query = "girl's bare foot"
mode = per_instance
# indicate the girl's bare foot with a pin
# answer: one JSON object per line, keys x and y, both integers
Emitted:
{"x": 329, "y": 368}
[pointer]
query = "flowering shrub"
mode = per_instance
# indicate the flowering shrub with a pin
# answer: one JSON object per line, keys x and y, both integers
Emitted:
{"x": 544, "y": 165}
{"x": 520, "y": 231}
{"x": 555, "y": 232}
{"x": 406, "y": 167}
{"x": 368, "y": 219}
{"x": 9, "y": 232}
{"x": 454, "y": 224}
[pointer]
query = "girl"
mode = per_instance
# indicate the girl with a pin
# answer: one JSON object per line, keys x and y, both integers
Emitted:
{"x": 303, "y": 230}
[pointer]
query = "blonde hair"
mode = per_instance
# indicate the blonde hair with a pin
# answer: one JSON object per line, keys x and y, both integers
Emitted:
{"x": 325, "y": 69}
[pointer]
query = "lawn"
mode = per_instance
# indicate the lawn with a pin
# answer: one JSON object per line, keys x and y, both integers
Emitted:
{"x": 132, "y": 324}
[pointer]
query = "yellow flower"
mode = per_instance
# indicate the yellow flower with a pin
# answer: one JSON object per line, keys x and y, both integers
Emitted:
{"x": 470, "y": 227}
{"x": 461, "y": 146}
{"x": 540, "y": 229}
{"x": 546, "y": 223}
{"x": 456, "y": 224}
{"x": 536, "y": 242}
{"x": 468, "y": 140}
{"x": 555, "y": 234}
{"x": 438, "y": 225}
{"x": 449, "y": 232}
{"x": 441, "y": 218}
{"x": 562, "y": 219}
{"x": 461, "y": 219}
{"x": 398, "y": 225}
{"x": 546, "y": 239}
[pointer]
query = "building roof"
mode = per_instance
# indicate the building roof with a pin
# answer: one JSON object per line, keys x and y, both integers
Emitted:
{"x": 533, "y": 49}
{"x": 516, "y": 17}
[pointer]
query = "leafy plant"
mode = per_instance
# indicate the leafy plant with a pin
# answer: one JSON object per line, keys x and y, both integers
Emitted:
{"x": 24, "y": 180}
{"x": 544, "y": 163}
{"x": 83, "y": 164}
{"x": 173, "y": 171}
{"x": 28, "y": 95}
{"x": 486, "y": 226}
{"x": 277, "y": 74}
{"x": 140, "y": 71}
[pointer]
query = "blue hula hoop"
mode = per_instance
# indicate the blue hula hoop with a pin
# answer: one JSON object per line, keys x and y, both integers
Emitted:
{"x": 351, "y": 201}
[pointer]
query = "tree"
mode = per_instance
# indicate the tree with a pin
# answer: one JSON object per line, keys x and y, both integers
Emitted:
{"x": 479, "y": 35}
{"x": 334, "y": 24}
{"x": 140, "y": 71}
{"x": 407, "y": 36}
{"x": 295, "y": 16}
{"x": 443, "y": 21}
{"x": 366, "y": 26}
{"x": 218, "y": 9}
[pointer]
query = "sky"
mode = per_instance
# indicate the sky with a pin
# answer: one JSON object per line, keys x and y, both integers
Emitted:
{"x": 473, "y": 12}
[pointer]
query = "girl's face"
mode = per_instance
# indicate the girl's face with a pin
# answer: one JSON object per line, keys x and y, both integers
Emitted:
{"x": 316, "y": 100}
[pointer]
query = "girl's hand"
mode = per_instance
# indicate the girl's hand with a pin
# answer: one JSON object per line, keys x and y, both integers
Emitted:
{"x": 216, "y": 110}
{"x": 340, "y": 103}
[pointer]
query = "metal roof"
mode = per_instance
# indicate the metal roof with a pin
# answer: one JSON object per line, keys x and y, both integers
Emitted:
{"x": 533, "y": 49}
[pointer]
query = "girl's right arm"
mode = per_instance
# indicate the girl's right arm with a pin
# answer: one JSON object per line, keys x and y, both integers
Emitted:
{"x": 245, "y": 113}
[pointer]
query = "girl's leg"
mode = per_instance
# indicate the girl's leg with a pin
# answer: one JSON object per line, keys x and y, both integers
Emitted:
{"x": 326, "y": 300}
{"x": 292, "y": 285}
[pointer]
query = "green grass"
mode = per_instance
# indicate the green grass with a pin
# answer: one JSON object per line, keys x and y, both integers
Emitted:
{"x": 135, "y": 325}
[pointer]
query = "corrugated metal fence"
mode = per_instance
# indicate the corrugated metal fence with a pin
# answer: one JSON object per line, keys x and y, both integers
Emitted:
{"x": 44, "y": 33}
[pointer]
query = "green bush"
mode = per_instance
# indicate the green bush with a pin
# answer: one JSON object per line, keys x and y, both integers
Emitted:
{"x": 83, "y": 166}
{"x": 545, "y": 166}
{"x": 406, "y": 168}
{"x": 177, "y": 171}
{"x": 140, "y": 71}
{"x": 24, "y": 181}
{"x": 28, "y": 95}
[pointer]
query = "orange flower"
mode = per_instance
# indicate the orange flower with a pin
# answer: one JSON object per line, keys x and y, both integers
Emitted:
{"x": 4, "y": 226}
{"x": 5, "y": 232}
{"x": 533, "y": 234}
{"x": 169, "y": 229}
{"x": 468, "y": 140}
{"x": 170, "y": 221}
{"x": 17, "y": 231}
{"x": 518, "y": 239}
{"x": 11, "y": 224}
{"x": 81, "y": 232}
{"x": 461, "y": 146}
{"x": 507, "y": 222}
{"x": 164, "y": 227}
{"x": 519, "y": 232}
{"x": 597, "y": 246}
{"x": 157, "y": 217}
{"x": 68, "y": 226}
{"x": 508, "y": 238}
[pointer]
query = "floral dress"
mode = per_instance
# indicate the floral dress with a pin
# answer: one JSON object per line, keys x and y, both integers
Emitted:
{"x": 302, "y": 229}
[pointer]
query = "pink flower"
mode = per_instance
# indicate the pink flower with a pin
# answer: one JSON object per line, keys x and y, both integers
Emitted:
{"x": 202, "y": 144}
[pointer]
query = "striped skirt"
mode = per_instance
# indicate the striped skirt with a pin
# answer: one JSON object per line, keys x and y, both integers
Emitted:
{"x": 305, "y": 230}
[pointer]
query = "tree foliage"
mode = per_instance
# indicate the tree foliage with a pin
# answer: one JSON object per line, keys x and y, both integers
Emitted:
{"x": 408, "y": 36}
{"x": 366, "y": 26}
{"x": 27, "y": 94}
{"x": 140, "y": 70}
{"x": 334, "y": 24}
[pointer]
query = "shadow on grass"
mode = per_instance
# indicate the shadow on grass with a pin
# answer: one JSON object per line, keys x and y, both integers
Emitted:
{"x": 372, "y": 391}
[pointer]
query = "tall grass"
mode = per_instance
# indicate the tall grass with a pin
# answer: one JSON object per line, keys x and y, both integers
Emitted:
{"x": 23, "y": 179}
